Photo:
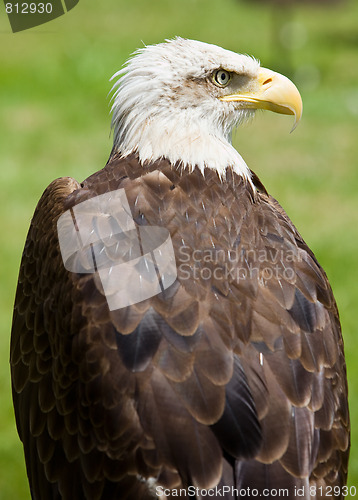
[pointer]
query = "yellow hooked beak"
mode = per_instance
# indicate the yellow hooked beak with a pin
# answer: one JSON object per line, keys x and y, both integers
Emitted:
{"x": 270, "y": 91}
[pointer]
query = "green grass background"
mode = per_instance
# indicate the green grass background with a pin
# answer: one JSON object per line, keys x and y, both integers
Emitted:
{"x": 54, "y": 121}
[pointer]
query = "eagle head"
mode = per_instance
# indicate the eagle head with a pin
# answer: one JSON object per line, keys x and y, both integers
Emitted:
{"x": 181, "y": 100}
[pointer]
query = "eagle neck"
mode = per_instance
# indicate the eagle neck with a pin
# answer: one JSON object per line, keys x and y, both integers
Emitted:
{"x": 185, "y": 144}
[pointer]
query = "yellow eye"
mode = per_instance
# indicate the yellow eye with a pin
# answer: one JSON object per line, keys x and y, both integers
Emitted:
{"x": 221, "y": 77}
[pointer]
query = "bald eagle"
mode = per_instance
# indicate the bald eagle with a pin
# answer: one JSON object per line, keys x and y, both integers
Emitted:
{"x": 228, "y": 382}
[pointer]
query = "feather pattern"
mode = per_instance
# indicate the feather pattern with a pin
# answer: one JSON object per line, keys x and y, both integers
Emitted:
{"x": 234, "y": 375}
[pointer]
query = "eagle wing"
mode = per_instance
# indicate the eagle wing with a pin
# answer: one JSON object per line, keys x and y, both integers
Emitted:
{"x": 233, "y": 376}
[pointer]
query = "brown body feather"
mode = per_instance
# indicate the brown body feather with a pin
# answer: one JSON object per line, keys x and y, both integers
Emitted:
{"x": 235, "y": 375}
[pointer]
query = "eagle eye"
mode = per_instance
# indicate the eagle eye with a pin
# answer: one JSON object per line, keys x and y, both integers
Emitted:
{"x": 221, "y": 77}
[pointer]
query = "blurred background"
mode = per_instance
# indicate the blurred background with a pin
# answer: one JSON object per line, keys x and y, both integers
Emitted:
{"x": 54, "y": 121}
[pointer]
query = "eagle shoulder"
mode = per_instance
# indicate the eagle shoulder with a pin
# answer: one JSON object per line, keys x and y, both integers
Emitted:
{"x": 209, "y": 382}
